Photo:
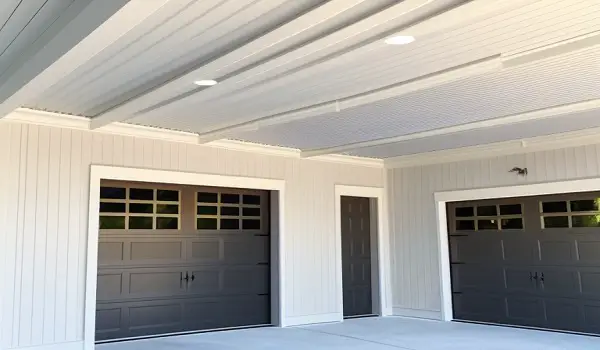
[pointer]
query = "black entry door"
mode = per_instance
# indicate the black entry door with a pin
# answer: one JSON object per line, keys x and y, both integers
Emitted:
{"x": 531, "y": 261}
{"x": 356, "y": 256}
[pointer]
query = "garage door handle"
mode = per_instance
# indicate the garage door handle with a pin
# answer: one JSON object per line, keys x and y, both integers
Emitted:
{"x": 542, "y": 277}
{"x": 187, "y": 277}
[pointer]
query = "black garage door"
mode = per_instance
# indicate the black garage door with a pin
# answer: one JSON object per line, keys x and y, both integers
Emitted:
{"x": 532, "y": 261}
{"x": 181, "y": 258}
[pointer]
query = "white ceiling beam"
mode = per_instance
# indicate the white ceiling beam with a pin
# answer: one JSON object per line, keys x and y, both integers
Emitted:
{"x": 247, "y": 52}
{"x": 490, "y": 64}
{"x": 510, "y": 119}
{"x": 67, "y": 45}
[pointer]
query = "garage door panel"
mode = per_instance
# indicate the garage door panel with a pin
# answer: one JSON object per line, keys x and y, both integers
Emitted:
{"x": 590, "y": 284}
{"x": 206, "y": 250}
{"x": 476, "y": 248}
{"x": 559, "y": 282}
{"x": 160, "y": 250}
{"x": 479, "y": 307}
{"x": 557, "y": 251}
{"x": 166, "y": 315}
{"x": 520, "y": 280}
{"x": 525, "y": 311}
{"x": 109, "y": 320}
{"x": 110, "y": 252}
{"x": 589, "y": 251}
{"x": 151, "y": 282}
{"x": 477, "y": 277}
{"x": 564, "y": 314}
{"x": 519, "y": 251}
{"x": 591, "y": 312}
{"x": 110, "y": 286}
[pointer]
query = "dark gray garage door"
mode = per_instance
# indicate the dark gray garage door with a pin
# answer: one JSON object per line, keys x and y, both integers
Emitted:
{"x": 532, "y": 261}
{"x": 181, "y": 258}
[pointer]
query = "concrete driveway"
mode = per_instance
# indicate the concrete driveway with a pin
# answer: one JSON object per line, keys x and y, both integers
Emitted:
{"x": 370, "y": 334}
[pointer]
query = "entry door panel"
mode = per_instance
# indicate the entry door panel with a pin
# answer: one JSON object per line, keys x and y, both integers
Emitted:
{"x": 548, "y": 252}
{"x": 356, "y": 256}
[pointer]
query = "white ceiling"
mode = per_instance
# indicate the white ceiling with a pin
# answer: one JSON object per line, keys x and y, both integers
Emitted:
{"x": 316, "y": 74}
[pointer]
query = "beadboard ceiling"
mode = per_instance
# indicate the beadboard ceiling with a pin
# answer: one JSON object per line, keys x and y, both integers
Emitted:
{"x": 316, "y": 74}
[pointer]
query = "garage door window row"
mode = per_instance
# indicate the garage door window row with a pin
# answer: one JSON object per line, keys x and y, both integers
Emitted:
{"x": 228, "y": 211}
{"x": 489, "y": 217}
{"x": 570, "y": 213}
{"x": 129, "y": 208}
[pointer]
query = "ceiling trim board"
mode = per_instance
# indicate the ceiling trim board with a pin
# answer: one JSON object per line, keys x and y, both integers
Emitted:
{"x": 556, "y": 49}
{"x": 31, "y": 116}
{"x": 107, "y": 32}
{"x": 535, "y": 144}
{"x": 486, "y": 65}
{"x": 511, "y": 119}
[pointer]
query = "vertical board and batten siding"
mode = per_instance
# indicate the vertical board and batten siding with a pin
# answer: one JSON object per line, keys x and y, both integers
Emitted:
{"x": 44, "y": 190}
{"x": 414, "y": 253}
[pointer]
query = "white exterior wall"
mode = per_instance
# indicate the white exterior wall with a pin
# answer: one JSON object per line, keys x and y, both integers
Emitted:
{"x": 44, "y": 190}
{"x": 413, "y": 227}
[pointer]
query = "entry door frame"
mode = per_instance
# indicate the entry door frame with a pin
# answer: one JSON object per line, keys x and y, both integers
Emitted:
{"x": 382, "y": 299}
{"x": 102, "y": 172}
{"x": 442, "y": 198}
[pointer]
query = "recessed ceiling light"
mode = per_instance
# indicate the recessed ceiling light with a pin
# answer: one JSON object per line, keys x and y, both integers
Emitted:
{"x": 205, "y": 82}
{"x": 400, "y": 40}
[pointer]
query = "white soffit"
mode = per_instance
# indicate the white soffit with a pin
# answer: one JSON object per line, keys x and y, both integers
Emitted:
{"x": 555, "y": 81}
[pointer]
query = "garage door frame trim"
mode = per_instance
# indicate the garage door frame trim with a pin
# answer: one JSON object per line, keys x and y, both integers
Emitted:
{"x": 101, "y": 172}
{"x": 442, "y": 198}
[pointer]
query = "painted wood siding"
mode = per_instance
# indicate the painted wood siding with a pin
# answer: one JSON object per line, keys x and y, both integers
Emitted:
{"x": 415, "y": 268}
{"x": 44, "y": 189}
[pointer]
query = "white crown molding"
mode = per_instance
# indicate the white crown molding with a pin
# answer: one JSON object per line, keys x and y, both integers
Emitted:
{"x": 31, "y": 116}
{"x": 535, "y": 144}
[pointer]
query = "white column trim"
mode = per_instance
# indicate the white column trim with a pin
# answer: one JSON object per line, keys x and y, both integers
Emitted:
{"x": 441, "y": 198}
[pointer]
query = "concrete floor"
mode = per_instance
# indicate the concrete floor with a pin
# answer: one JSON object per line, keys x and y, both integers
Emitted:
{"x": 370, "y": 334}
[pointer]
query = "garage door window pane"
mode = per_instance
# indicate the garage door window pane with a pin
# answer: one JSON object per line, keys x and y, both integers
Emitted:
{"x": 112, "y": 207}
{"x": 251, "y": 224}
{"x": 465, "y": 225}
{"x": 251, "y": 211}
{"x": 556, "y": 221}
{"x": 141, "y": 194}
{"x": 510, "y": 209}
{"x": 206, "y": 224}
{"x": 488, "y": 210}
{"x": 112, "y": 193}
{"x": 206, "y": 210}
{"x": 112, "y": 222}
{"x": 167, "y": 223}
{"x": 554, "y": 207}
{"x": 585, "y": 205}
{"x": 586, "y": 220}
{"x": 251, "y": 199}
{"x": 141, "y": 208}
{"x": 230, "y": 224}
{"x": 487, "y": 224}
{"x": 230, "y": 211}
{"x": 230, "y": 198}
{"x": 167, "y": 196}
{"x": 512, "y": 224}
{"x": 464, "y": 212}
{"x": 140, "y": 223}
{"x": 204, "y": 197}
{"x": 167, "y": 209}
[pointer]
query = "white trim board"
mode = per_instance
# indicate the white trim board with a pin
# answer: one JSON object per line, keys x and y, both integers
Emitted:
{"x": 441, "y": 198}
{"x": 383, "y": 261}
{"x": 99, "y": 172}
{"x": 505, "y": 148}
{"x": 31, "y": 116}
